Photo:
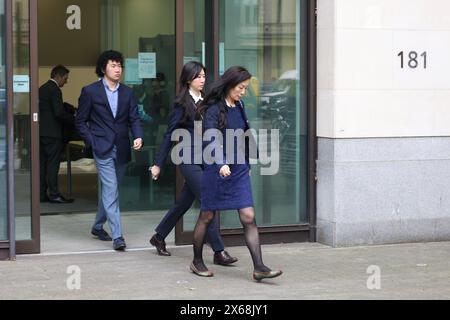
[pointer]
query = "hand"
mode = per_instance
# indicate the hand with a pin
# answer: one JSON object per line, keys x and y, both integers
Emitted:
{"x": 155, "y": 171}
{"x": 225, "y": 171}
{"x": 137, "y": 144}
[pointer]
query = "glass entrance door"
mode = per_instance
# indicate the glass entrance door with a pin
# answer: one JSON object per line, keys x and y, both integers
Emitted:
{"x": 24, "y": 106}
{"x": 270, "y": 39}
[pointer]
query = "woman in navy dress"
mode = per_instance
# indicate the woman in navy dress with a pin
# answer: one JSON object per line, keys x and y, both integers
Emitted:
{"x": 226, "y": 176}
{"x": 192, "y": 81}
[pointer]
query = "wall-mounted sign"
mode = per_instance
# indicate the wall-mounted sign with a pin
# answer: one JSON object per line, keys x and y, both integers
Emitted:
{"x": 420, "y": 60}
{"x": 21, "y": 83}
{"x": 132, "y": 71}
{"x": 147, "y": 65}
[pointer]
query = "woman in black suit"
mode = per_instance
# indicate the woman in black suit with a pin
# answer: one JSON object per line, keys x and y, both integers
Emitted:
{"x": 226, "y": 178}
{"x": 192, "y": 81}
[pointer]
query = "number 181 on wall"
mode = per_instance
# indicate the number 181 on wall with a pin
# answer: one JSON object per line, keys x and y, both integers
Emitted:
{"x": 413, "y": 60}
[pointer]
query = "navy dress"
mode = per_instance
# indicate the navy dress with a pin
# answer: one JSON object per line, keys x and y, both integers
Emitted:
{"x": 235, "y": 191}
{"x": 192, "y": 174}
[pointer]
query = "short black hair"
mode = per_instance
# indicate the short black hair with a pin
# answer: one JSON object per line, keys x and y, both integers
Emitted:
{"x": 103, "y": 59}
{"x": 59, "y": 70}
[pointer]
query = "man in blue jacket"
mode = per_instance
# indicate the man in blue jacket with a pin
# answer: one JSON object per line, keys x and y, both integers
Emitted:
{"x": 106, "y": 111}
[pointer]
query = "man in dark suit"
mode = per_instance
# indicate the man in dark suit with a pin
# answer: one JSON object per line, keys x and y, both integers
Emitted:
{"x": 106, "y": 111}
{"x": 53, "y": 118}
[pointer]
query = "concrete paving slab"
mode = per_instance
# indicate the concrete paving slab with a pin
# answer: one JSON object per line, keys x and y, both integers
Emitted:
{"x": 311, "y": 271}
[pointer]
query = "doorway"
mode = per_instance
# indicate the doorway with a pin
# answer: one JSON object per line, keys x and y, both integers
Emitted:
{"x": 73, "y": 33}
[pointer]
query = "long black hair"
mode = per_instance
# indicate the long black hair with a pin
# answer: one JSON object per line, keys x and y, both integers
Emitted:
{"x": 220, "y": 89}
{"x": 191, "y": 71}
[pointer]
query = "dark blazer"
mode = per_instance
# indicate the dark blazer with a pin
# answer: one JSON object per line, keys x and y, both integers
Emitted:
{"x": 211, "y": 121}
{"x": 174, "y": 123}
{"x": 98, "y": 127}
{"x": 53, "y": 116}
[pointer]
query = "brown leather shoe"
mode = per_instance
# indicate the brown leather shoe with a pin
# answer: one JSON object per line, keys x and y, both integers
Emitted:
{"x": 206, "y": 273}
{"x": 160, "y": 246}
{"x": 259, "y": 275}
{"x": 223, "y": 258}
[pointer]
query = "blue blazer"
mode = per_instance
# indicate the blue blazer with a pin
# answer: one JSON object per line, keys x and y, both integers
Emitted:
{"x": 98, "y": 127}
{"x": 211, "y": 121}
{"x": 174, "y": 123}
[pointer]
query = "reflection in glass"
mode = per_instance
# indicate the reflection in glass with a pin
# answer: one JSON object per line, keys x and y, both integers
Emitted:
{"x": 268, "y": 38}
{"x": 3, "y": 118}
{"x": 135, "y": 27}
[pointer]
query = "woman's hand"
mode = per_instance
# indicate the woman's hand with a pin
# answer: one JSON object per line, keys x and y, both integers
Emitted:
{"x": 155, "y": 171}
{"x": 137, "y": 144}
{"x": 225, "y": 171}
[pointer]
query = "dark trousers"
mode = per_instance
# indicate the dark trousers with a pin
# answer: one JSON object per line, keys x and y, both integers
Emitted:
{"x": 193, "y": 176}
{"x": 50, "y": 158}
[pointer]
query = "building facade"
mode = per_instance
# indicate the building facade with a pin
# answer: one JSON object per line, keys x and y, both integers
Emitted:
{"x": 357, "y": 89}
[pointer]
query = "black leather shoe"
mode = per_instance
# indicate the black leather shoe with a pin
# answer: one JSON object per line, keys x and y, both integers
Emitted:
{"x": 45, "y": 199}
{"x": 160, "y": 246}
{"x": 223, "y": 258}
{"x": 101, "y": 234}
{"x": 119, "y": 244}
{"x": 259, "y": 275}
{"x": 60, "y": 199}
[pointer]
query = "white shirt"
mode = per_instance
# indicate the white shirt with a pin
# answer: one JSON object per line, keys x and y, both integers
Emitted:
{"x": 51, "y": 79}
{"x": 229, "y": 105}
{"x": 196, "y": 98}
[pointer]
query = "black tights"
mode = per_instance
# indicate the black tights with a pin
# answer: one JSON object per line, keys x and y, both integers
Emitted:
{"x": 247, "y": 217}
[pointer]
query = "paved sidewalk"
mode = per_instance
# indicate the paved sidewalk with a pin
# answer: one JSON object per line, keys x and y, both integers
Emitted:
{"x": 311, "y": 271}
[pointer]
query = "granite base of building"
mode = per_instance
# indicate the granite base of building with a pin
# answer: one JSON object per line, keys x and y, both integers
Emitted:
{"x": 383, "y": 190}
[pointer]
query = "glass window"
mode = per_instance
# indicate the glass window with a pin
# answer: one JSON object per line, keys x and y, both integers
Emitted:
{"x": 141, "y": 28}
{"x": 3, "y": 154}
{"x": 269, "y": 39}
{"x": 194, "y": 31}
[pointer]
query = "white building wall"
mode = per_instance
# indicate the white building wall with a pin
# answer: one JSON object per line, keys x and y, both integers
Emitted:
{"x": 383, "y": 131}
{"x": 362, "y": 89}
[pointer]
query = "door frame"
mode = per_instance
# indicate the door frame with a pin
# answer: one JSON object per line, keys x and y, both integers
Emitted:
{"x": 211, "y": 63}
{"x": 7, "y": 247}
{"x": 179, "y": 51}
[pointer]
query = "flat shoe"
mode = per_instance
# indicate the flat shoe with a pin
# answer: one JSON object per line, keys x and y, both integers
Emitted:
{"x": 200, "y": 273}
{"x": 259, "y": 275}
